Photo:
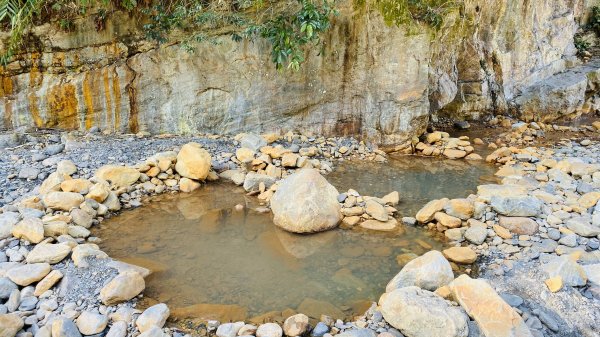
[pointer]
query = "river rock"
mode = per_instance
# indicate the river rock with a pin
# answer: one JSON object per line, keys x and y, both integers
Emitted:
{"x": 100, "y": 191}
{"x": 269, "y": 330}
{"x": 64, "y": 201}
{"x": 66, "y": 167}
{"x": 90, "y": 323}
{"x": 427, "y": 213}
{"x": 244, "y": 154}
{"x": 48, "y": 253}
{"x": 30, "y": 229}
{"x": 82, "y": 218}
{"x": 421, "y": 313}
{"x": 376, "y": 210}
{"x": 519, "y": 225}
{"x": 10, "y": 324}
{"x": 306, "y": 203}
{"x": 566, "y": 266}
{"x": 252, "y": 141}
{"x": 6, "y": 287}
{"x": 47, "y": 282}
{"x": 187, "y": 185}
{"x": 117, "y": 329}
{"x": 193, "y": 161}
{"x": 376, "y": 225}
{"x": 156, "y": 315}
{"x": 64, "y": 327}
{"x": 296, "y": 325}
{"x": 229, "y": 329}
{"x": 119, "y": 176}
{"x": 392, "y": 198}
{"x": 123, "y": 287}
{"x": 52, "y": 183}
{"x": 462, "y": 255}
{"x": 447, "y": 220}
{"x": 253, "y": 180}
{"x": 477, "y": 232}
{"x": 7, "y": 221}
{"x": 428, "y": 271}
{"x": 153, "y": 332}
{"x": 592, "y": 272}
{"x": 81, "y": 252}
{"x": 460, "y": 208}
{"x": 493, "y": 315}
{"x": 81, "y": 186}
{"x": 363, "y": 332}
{"x": 27, "y": 274}
{"x": 589, "y": 199}
{"x": 583, "y": 228}
{"x": 516, "y": 206}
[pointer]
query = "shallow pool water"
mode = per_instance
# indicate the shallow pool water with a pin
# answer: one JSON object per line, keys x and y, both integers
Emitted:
{"x": 202, "y": 251}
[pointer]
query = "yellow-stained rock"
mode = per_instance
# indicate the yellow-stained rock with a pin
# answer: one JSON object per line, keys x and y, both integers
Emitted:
{"x": 554, "y": 284}
{"x": 119, "y": 176}
{"x": 493, "y": 315}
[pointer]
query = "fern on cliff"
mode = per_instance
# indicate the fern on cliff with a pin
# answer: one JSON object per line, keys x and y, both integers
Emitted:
{"x": 18, "y": 14}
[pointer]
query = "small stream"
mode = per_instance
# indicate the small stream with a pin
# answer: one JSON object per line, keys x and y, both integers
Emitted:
{"x": 202, "y": 251}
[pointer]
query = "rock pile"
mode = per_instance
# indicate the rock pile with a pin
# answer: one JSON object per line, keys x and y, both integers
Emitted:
{"x": 440, "y": 143}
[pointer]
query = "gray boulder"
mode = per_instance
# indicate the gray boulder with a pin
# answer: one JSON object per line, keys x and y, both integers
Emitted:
{"x": 306, "y": 203}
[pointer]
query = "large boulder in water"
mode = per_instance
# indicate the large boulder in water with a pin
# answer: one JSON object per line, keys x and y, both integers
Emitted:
{"x": 193, "y": 161}
{"x": 306, "y": 203}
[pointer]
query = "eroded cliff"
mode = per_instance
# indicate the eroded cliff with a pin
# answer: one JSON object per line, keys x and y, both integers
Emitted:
{"x": 370, "y": 79}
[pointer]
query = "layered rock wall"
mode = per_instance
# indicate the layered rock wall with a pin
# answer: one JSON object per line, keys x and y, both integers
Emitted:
{"x": 369, "y": 80}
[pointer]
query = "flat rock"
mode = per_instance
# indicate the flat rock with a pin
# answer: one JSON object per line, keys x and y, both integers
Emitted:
{"x": 583, "y": 228}
{"x": 30, "y": 229}
{"x": 64, "y": 327}
{"x": 48, "y": 253}
{"x": 519, "y": 225}
{"x": 10, "y": 324}
{"x": 123, "y": 287}
{"x": 566, "y": 266}
{"x": 460, "y": 208}
{"x": 376, "y": 210}
{"x": 427, "y": 213}
{"x": 64, "y": 201}
{"x": 462, "y": 255}
{"x": 428, "y": 271}
{"x": 119, "y": 176}
{"x": 493, "y": 315}
{"x": 516, "y": 206}
{"x": 27, "y": 274}
{"x": 376, "y": 225}
{"x": 421, "y": 313}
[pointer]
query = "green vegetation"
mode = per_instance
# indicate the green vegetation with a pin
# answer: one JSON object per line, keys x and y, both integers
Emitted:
{"x": 595, "y": 19}
{"x": 581, "y": 45}
{"x": 411, "y": 12}
{"x": 290, "y": 26}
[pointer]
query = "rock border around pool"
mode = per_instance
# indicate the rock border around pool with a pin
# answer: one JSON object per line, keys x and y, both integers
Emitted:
{"x": 423, "y": 295}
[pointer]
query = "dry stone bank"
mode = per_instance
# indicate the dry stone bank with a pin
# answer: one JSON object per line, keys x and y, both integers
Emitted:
{"x": 534, "y": 236}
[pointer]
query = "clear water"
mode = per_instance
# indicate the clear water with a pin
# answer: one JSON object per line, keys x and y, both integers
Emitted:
{"x": 202, "y": 251}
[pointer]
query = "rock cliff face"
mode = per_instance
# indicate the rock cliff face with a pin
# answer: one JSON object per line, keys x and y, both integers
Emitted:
{"x": 370, "y": 80}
